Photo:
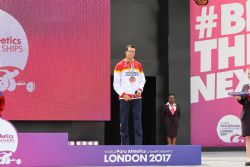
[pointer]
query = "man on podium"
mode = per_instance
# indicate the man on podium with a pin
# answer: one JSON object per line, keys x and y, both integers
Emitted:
{"x": 129, "y": 81}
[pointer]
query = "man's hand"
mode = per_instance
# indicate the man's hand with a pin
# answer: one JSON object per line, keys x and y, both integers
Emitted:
{"x": 138, "y": 94}
{"x": 238, "y": 98}
{"x": 126, "y": 97}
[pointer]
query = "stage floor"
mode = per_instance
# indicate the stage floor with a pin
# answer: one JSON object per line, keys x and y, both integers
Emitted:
{"x": 221, "y": 159}
{"x": 224, "y": 159}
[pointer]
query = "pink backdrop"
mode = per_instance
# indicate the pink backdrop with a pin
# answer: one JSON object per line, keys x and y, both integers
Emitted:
{"x": 68, "y": 60}
{"x": 219, "y": 58}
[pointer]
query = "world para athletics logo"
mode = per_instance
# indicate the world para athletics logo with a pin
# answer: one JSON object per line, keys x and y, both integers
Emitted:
{"x": 13, "y": 53}
{"x": 8, "y": 143}
{"x": 229, "y": 129}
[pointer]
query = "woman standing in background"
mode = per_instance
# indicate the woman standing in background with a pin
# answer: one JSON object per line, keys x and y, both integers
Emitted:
{"x": 171, "y": 119}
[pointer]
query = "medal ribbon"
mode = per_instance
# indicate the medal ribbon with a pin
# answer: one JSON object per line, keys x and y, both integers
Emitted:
{"x": 132, "y": 68}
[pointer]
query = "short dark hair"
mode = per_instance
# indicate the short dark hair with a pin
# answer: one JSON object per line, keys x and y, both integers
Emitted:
{"x": 129, "y": 46}
{"x": 171, "y": 94}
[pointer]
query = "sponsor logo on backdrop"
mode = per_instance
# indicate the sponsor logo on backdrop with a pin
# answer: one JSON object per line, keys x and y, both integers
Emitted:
{"x": 229, "y": 129}
{"x": 13, "y": 53}
{"x": 8, "y": 143}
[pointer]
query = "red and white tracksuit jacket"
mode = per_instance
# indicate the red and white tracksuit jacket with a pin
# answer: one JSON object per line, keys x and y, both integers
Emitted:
{"x": 124, "y": 70}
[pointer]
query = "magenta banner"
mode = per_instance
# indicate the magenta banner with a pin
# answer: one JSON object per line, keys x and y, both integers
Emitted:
{"x": 55, "y": 59}
{"x": 219, "y": 59}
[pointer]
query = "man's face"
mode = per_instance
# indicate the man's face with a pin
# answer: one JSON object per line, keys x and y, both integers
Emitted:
{"x": 130, "y": 53}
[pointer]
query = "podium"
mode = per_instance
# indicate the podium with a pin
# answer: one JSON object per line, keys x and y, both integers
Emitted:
{"x": 52, "y": 149}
